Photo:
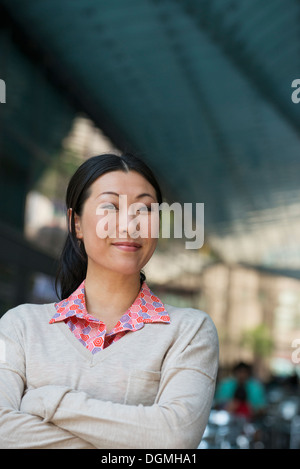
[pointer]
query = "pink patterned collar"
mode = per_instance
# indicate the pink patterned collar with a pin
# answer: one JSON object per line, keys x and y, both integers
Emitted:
{"x": 147, "y": 308}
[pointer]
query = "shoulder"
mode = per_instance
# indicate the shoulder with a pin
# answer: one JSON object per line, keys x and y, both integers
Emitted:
{"x": 186, "y": 313}
{"x": 227, "y": 384}
{"x": 225, "y": 389}
{"x": 191, "y": 319}
{"x": 254, "y": 384}
{"x": 24, "y": 314}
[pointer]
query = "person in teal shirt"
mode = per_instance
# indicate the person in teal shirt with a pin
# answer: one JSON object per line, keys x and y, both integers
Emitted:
{"x": 241, "y": 394}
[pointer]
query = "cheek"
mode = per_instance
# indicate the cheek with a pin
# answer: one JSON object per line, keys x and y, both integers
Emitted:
{"x": 106, "y": 226}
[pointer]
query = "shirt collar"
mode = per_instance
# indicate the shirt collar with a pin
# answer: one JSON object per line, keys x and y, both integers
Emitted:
{"x": 147, "y": 308}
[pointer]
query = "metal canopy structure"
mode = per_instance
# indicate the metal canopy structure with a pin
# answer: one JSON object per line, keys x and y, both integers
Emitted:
{"x": 201, "y": 89}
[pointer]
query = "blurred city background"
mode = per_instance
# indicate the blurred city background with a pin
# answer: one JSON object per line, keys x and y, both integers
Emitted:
{"x": 201, "y": 90}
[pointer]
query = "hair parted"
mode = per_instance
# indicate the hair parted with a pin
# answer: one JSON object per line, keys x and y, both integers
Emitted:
{"x": 73, "y": 261}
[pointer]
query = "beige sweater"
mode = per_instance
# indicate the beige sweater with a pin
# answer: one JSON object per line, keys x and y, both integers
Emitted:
{"x": 151, "y": 389}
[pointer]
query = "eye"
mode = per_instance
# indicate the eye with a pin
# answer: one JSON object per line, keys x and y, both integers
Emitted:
{"x": 144, "y": 209}
{"x": 139, "y": 208}
{"x": 108, "y": 206}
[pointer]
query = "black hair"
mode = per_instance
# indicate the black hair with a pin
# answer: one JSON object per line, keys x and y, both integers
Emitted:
{"x": 242, "y": 366}
{"x": 73, "y": 261}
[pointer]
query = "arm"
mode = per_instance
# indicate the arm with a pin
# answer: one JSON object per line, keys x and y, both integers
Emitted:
{"x": 19, "y": 430}
{"x": 176, "y": 420}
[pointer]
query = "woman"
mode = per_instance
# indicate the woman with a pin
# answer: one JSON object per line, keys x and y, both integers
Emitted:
{"x": 108, "y": 366}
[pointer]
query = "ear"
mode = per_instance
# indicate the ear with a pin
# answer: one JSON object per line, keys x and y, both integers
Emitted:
{"x": 77, "y": 223}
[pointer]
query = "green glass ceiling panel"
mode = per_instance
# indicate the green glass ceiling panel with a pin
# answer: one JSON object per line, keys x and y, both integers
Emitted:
{"x": 201, "y": 88}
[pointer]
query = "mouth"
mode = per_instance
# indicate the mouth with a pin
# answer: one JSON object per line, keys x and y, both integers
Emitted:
{"x": 127, "y": 246}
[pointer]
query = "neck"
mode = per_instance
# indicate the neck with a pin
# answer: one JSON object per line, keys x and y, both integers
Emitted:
{"x": 108, "y": 295}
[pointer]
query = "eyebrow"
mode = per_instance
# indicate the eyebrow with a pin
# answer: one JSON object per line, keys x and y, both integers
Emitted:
{"x": 144, "y": 194}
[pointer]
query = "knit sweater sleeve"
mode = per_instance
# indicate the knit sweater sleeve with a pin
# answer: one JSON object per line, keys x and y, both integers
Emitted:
{"x": 20, "y": 430}
{"x": 177, "y": 419}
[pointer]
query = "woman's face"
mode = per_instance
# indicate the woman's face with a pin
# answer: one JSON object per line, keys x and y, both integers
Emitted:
{"x": 117, "y": 226}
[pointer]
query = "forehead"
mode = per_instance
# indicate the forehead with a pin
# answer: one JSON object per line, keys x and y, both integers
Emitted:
{"x": 130, "y": 183}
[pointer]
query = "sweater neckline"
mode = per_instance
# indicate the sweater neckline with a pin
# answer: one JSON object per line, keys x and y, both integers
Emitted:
{"x": 93, "y": 359}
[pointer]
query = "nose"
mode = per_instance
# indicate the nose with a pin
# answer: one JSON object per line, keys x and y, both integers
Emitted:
{"x": 124, "y": 216}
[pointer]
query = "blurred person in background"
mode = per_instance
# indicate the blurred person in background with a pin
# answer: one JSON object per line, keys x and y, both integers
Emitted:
{"x": 109, "y": 365}
{"x": 241, "y": 394}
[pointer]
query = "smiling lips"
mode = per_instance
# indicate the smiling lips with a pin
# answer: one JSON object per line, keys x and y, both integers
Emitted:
{"x": 127, "y": 246}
